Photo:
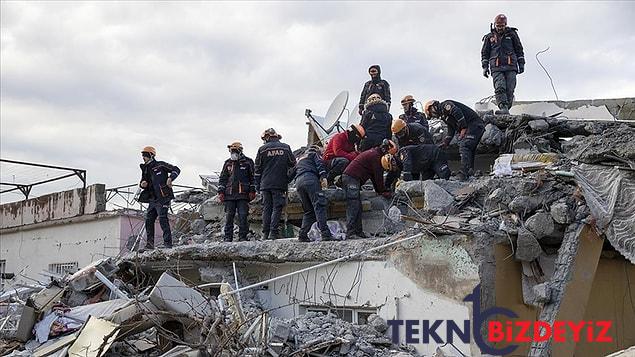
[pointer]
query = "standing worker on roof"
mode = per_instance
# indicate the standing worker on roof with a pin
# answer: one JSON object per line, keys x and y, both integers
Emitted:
{"x": 411, "y": 114}
{"x": 236, "y": 187}
{"x": 376, "y": 122}
{"x": 503, "y": 55}
{"x": 156, "y": 181}
{"x": 310, "y": 179}
{"x": 273, "y": 161}
{"x": 366, "y": 166}
{"x": 340, "y": 151}
{"x": 470, "y": 127}
{"x": 376, "y": 85}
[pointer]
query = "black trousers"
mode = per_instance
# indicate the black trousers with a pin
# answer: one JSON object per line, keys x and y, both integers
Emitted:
{"x": 231, "y": 206}
{"x": 467, "y": 148}
{"x": 313, "y": 204}
{"x": 353, "y": 205}
{"x": 504, "y": 86}
{"x": 273, "y": 201}
{"x": 336, "y": 167}
{"x": 158, "y": 209}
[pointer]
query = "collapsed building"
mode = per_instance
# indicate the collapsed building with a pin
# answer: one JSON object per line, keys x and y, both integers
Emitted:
{"x": 547, "y": 230}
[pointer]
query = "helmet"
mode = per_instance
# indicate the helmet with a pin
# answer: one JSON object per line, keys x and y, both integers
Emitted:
{"x": 500, "y": 18}
{"x": 389, "y": 146}
{"x": 315, "y": 148}
{"x": 271, "y": 132}
{"x": 387, "y": 162}
{"x": 407, "y": 99}
{"x": 359, "y": 130}
{"x": 149, "y": 149}
{"x": 373, "y": 98}
{"x": 397, "y": 126}
{"x": 235, "y": 146}
{"x": 430, "y": 108}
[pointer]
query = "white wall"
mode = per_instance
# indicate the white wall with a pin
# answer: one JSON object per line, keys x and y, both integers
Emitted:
{"x": 372, "y": 284}
{"x": 29, "y": 251}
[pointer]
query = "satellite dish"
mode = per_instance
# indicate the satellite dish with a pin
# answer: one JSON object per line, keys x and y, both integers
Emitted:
{"x": 353, "y": 118}
{"x": 333, "y": 114}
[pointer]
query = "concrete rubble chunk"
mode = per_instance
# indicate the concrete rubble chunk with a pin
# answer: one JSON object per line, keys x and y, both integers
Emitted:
{"x": 436, "y": 198}
{"x": 172, "y": 294}
{"x": 528, "y": 247}
{"x": 544, "y": 228}
{"x": 538, "y": 125}
{"x": 492, "y": 136}
{"x": 198, "y": 226}
{"x": 377, "y": 323}
{"x": 524, "y": 205}
{"x": 542, "y": 293}
{"x": 561, "y": 213}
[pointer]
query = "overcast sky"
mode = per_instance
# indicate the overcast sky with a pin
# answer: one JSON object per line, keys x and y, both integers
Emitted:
{"x": 88, "y": 84}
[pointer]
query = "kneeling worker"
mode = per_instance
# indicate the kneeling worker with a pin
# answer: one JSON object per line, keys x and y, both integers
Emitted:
{"x": 366, "y": 165}
{"x": 310, "y": 179}
{"x": 410, "y": 133}
{"x": 340, "y": 151}
{"x": 416, "y": 162}
{"x": 236, "y": 187}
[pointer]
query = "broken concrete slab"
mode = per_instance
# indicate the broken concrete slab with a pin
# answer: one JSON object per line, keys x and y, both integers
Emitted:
{"x": 528, "y": 247}
{"x": 541, "y": 225}
{"x": 561, "y": 213}
{"x": 95, "y": 338}
{"x": 172, "y": 294}
{"x": 524, "y": 205}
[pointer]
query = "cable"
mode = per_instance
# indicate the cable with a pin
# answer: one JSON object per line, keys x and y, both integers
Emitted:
{"x": 547, "y": 72}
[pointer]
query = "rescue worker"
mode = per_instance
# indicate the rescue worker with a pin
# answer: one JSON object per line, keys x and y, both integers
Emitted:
{"x": 470, "y": 127}
{"x": 410, "y": 133}
{"x": 411, "y": 114}
{"x": 503, "y": 55}
{"x": 376, "y": 122}
{"x": 310, "y": 179}
{"x": 236, "y": 187}
{"x": 340, "y": 151}
{"x": 156, "y": 182}
{"x": 273, "y": 161}
{"x": 416, "y": 162}
{"x": 366, "y": 165}
{"x": 376, "y": 85}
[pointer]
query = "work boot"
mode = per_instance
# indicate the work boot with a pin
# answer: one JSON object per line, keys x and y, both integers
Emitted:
{"x": 327, "y": 238}
{"x": 265, "y": 235}
{"x": 274, "y": 235}
{"x": 228, "y": 239}
{"x": 167, "y": 245}
{"x": 243, "y": 239}
{"x": 502, "y": 109}
{"x": 304, "y": 239}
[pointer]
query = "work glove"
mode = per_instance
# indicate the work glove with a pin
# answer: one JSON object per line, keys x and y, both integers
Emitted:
{"x": 521, "y": 68}
{"x": 324, "y": 183}
{"x": 252, "y": 195}
{"x": 462, "y": 133}
{"x": 486, "y": 72}
{"x": 221, "y": 197}
{"x": 387, "y": 194}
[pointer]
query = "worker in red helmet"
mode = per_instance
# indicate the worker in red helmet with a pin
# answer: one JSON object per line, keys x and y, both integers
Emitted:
{"x": 156, "y": 182}
{"x": 502, "y": 55}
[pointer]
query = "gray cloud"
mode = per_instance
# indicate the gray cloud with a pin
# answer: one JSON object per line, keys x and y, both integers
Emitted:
{"x": 88, "y": 84}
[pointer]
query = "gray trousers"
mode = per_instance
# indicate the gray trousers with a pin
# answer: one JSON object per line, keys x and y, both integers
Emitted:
{"x": 504, "y": 86}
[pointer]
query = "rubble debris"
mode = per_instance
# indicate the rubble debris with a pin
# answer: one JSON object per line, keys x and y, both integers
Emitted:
{"x": 528, "y": 247}
{"x": 95, "y": 338}
{"x": 615, "y": 141}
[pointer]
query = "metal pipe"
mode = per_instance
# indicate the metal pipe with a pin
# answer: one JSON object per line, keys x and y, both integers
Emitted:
{"x": 350, "y": 256}
{"x": 110, "y": 285}
{"x": 240, "y": 302}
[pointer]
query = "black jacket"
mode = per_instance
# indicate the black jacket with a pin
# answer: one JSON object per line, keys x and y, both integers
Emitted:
{"x": 502, "y": 52}
{"x": 273, "y": 161}
{"x": 376, "y": 122}
{"x": 236, "y": 180}
{"x": 415, "y": 116}
{"x": 309, "y": 163}
{"x": 459, "y": 116}
{"x": 417, "y": 134}
{"x": 379, "y": 86}
{"x": 415, "y": 159}
{"x": 156, "y": 174}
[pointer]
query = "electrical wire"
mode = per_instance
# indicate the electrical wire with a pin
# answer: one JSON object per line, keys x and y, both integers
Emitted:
{"x": 547, "y": 72}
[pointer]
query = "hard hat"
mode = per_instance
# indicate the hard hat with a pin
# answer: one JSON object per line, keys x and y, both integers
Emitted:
{"x": 386, "y": 162}
{"x": 407, "y": 99}
{"x": 149, "y": 149}
{"x": 430, "y": 108}
{"x": 373, "y": 98}
{"x": 236, "y": 145}
{"x": 397, "y": 126}
{"x": 359, "y": 130}
{"x": 271, "y": 132}
{"x": 500, "y": 18}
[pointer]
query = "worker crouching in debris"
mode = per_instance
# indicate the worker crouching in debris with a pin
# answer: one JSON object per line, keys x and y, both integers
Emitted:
{"x": 411, "y": 114}
{"x": 376, "y": 85}
{"x": 273, "y": 161}
{"x": 376, "y": 122}
{"x": 416, "y": 162}
{"x": 236, "y": 187}
{"x": 410, "y": 133}
{"x": 340, "y": 151}
{"x": 156, "y": 181}
{"x": 503, "y": 55}
{"x": 310, "y": 179}
{"x": 470, "y": 127}
{"x": 365, "y": 166}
